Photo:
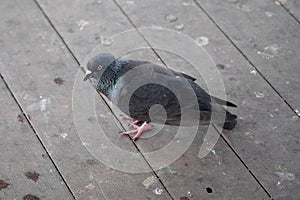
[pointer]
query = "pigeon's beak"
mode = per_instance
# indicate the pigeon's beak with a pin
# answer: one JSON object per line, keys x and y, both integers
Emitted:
{"x": 87, "y": 75}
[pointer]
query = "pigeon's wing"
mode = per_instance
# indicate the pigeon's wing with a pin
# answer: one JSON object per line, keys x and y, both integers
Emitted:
{"x": 156, "y": 85}
{"x": 130, "y": 64}
{"x": 203, "y": 95}
{"x": 210, "y": 104}
{"x": 175, "y": 95}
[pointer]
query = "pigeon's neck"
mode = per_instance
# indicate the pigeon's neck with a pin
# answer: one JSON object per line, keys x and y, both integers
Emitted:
{"x": 117, "y": 65}
{"x": 110, "y": 77}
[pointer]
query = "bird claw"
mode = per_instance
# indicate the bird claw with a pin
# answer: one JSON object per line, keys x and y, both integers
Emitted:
{"x": 135, "y": 124}
{"x": 138, "y": 130}
{"x": 125, "y": 117}
{"x": 129, "y": 132}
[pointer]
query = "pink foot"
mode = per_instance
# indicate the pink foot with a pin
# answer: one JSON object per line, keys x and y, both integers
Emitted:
{"x": 138, "y": 130}
{"x": 135, "y": 123}
{"x": 126, "y": 117}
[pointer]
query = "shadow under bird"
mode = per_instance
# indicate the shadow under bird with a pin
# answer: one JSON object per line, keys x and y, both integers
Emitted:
{"x": 135, "y": 86}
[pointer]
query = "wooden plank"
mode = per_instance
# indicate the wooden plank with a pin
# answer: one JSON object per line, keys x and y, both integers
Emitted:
{"x": 266, "y": 134}
{"x": 292, "y": 6}
{"x": 25, "y": 167}
{"x": 184, "y": 180}
{"x": 268, "y": 36}
{"x": 41, "y": 73}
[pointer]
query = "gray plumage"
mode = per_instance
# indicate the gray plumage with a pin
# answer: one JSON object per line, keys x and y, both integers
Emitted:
{"x": 114, "y": 78}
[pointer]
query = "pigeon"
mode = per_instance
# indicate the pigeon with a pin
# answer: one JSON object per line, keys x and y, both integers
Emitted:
{"x": 110, "y": 77}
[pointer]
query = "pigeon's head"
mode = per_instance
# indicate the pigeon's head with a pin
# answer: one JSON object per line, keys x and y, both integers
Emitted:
{"x": 97, "y": 65}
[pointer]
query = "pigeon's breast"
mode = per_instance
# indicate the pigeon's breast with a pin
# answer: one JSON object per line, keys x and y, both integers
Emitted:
{"x": 114, "y": 91}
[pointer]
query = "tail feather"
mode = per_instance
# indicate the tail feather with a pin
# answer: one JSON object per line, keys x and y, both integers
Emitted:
{"x": 230, "y": 121}
{"x": 223, "y": 102}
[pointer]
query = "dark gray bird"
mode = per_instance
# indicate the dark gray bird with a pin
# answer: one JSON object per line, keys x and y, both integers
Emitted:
{"x": 135, "y": 86}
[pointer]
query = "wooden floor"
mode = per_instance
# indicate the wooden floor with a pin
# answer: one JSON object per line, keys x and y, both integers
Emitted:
{"x": 43, "y": 43}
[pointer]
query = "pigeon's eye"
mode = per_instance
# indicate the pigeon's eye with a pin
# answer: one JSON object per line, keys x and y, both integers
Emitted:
{"x": 99, "y": 67}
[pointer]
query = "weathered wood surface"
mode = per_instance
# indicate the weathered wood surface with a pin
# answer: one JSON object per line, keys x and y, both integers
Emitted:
{"x": 268, "y": 36}
{"x": 25, "y": 167}
{"x": 261, "y": 135}
{"x": 40, "y": 72}
{"x": 99, "y": 24}
{"x": 293, "y": 6}
{"x": 266, "y": 137}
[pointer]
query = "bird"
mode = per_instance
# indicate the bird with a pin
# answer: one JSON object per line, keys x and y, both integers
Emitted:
{"x": 109, "y": 77}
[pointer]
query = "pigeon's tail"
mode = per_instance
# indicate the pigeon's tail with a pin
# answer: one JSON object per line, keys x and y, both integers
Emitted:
{"x": 230, "y": 121}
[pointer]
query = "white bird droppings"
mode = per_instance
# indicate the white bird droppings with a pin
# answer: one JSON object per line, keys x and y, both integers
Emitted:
{"x": 130, "y": 2}
{"x": 179, "y": 27}
{"x": 171, "y": 18}
{"x": 273, "y": 48}
{"x": 89, "y": 186}
{"x": 280, "y": 185}
{"x": 41, "y": 105}
{"x": 243, "y": 7}
{"x": 82, "y": 23}
{"x": 269, "y": 14}
{"x": 253, "y": 72}
{"x": 158, "y": 191}
{"x": 270, "y": 51}
{"x": 64, "y": 135}
{"x": 85, "y": 144}
{"x": 187, "y": 2}
{"x": 171, "y": 171}
{"x": 202, "y": 41}
{"x": 295, "y": 118}
{"x": 285, "y": 176}
{"x": 213, "y": 151}
{"x": 259, "y": 95}
{"x": 106, "y": 41}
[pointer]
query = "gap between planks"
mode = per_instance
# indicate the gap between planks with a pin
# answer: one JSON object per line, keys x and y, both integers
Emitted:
{"x": 221, "y": 134}
{"x": 244, "y": 55}
{"x": 116, "y": 118}
{"x": 34, "y": 131}
{"x": 288, "y": 10}
{"x": 114, "y": 115}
